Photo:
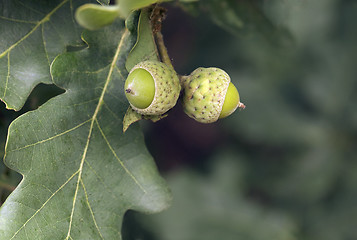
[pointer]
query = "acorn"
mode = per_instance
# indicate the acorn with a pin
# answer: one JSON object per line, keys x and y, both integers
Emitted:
{"x": 209, "y": 95}
{"x": 152, "y": 88}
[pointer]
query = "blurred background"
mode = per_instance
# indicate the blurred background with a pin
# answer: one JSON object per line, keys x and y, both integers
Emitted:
{"x": 284, "y": 168}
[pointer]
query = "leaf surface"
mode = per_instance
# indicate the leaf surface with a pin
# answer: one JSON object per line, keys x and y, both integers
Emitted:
{"x": 32, "y": 33}
{"x": 94, "y": 16}
{"x": 243, "y": 18}
{"x": 217, "y": 207}
{"x": 145, "y": 46}
{"x": 81, "y": 173}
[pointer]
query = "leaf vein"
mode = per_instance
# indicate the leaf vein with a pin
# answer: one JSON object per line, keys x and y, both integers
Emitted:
{"x": 50, "y": 138}
{"x": 45, "y": 19}
{"x": 82, "y": 103}
{"x": 119, "y": 71}
{"x": 44, "y": 45}
{"x": 24, "y": 205}
{"x": 44, "y": 204}
{"x": 88, "y": 72}
{"x": 111, "y": 111}
{"x": 8, "y": 74}
{"x": 30, "y": 8}
{"x": 17, "y": 20}
{"x": 114, "y": 229}
{"x": 91, "y": 210}
{"x": 121, "y": 162}
{"x": 101, "y": 180}
{"x": 39, "y": 227}
{"x": 100, "y": 102}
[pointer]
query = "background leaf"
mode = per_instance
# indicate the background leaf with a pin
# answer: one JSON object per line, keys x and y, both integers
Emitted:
{"x": 243, "y": 18}
{"x": 9, "y": 179}
{"x": 81, "y": 173}
{"x": 33, "y": 33}
{"x": 297, "y": 136}
{"x": 216, "y": 207}
{"x": 288, "y": 159}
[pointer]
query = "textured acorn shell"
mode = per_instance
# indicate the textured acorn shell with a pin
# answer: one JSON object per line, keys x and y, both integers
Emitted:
{"x": 205, "y": 91}
{"x": 167, "y": 87}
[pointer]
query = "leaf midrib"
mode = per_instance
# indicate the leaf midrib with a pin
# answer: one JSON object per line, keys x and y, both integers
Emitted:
{"x": 93, "y": 121}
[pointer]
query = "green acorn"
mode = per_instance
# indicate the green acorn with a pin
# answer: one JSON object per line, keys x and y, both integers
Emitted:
{"x": 152, "y": 88}
{"x": 209, "y": 95}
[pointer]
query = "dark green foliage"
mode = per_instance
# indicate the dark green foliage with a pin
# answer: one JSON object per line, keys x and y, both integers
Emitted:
{"x": 80, "y": 172}
{"x": 293, "y": 148}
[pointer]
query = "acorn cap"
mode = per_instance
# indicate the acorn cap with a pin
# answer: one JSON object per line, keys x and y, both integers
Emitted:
{"x": 204, "y": 94}
{"x": 167, "y": 87}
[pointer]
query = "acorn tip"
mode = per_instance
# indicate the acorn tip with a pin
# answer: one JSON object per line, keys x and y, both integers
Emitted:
{"x": 241, "y": 105}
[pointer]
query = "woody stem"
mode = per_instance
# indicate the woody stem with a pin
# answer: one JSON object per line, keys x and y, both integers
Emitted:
{"x": 162, "y": 49}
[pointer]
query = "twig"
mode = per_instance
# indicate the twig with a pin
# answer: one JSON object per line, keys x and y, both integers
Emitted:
{"x": 162, "y": 49}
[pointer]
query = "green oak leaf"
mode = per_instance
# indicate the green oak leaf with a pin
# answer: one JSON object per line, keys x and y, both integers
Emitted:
{"x": 94, "y": 16}
{"x": 224, "y": 14}
{"x": 131, "y": 116}
{"x": 33, "y": 33}
{"x": 126, "y": 6}
{"x": 145, "y": 46}
{"x": 242, "y": 18}
{"x": 80, "y": 172}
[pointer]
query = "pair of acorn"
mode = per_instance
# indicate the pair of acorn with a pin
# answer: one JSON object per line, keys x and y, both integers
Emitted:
{"x": 152, "y": 88}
